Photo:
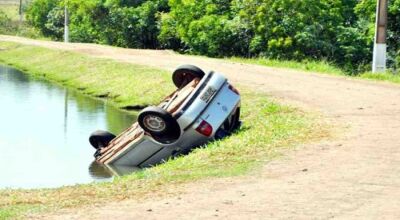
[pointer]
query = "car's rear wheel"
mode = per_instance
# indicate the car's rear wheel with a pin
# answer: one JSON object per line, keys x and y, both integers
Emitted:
{"x": 185, "y": 74}
{"x": 158, "y": 122}
{"x": 100, "y": 139}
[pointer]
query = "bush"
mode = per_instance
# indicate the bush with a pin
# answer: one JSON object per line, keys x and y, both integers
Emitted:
{"x": 5, "y": 23}
{"x": 55, "y": 23}
{"x": 168, "y": 36}
{"x": 37, "y": 15}
{"x": 279, "y": 29}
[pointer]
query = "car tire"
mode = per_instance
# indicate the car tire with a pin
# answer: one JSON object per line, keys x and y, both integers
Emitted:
{"x": 158, "y": 122}
{"x": 100, "y": 139}
{"x": 185, "y": 74}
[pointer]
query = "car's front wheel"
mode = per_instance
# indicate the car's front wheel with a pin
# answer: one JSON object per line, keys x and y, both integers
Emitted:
{"x": 158, "y": 122}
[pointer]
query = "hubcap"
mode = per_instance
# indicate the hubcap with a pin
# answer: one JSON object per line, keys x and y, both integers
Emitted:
{"x": 154, "y": 123}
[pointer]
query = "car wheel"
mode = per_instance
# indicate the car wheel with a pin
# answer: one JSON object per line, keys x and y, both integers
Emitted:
{"x": 100, "y": 139}
{"x": 185, "y": 74}
{"x": 158, "y": 122}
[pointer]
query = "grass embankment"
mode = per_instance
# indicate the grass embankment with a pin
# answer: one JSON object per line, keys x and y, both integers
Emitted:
{"x": 322, "y": 67}
{"x": 268, "y": 127}
{"x": 122, "y": 84}
{"x": 388, "y": 77}
{"x": 307, "y": 65}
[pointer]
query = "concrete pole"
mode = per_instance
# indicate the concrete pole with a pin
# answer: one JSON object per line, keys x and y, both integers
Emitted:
{"x": 379, "y": 56}
{"x": 20, "y": 11}
{"x": 66, "y": 28}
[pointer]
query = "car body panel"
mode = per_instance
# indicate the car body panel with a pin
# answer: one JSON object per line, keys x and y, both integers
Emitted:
{"x": 137, "y": 151}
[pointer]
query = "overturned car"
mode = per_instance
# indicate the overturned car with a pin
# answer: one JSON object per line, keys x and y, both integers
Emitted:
{"x": 203, "y": 108}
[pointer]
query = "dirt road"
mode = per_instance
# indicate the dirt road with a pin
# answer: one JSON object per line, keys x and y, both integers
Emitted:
{"x": 356, "y": 176}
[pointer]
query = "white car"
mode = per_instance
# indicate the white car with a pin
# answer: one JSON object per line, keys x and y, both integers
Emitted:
{"x": 203, "y": 108}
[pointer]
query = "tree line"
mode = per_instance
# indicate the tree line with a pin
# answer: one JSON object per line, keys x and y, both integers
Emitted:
{"x": 338, "y": 31}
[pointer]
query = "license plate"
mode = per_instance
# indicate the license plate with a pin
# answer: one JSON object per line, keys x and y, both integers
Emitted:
{"x": 208, "y": 94}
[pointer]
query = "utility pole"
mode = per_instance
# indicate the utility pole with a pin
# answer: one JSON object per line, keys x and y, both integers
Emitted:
{"x": 66, "y": 28}
{"x": 379, "y": 56}
{"x": 20, "y": 11}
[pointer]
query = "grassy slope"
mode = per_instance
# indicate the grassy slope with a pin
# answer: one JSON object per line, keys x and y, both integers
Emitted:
{"x": 267, "y": 128}
{"x": 308, "y": 66}
{"x": 388, "y": 77}
{"x": 318, "y": 67}
{"x": 123, "y": 84}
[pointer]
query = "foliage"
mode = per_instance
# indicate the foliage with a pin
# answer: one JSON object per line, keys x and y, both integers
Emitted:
{"x": 307, "y": 29}
{"x": 126, "y": 23}
{"x": 280, "y": 29}
{"x": 10, "y": 23}
{"x": 339, "y": 31}
{"x": 5, "y": 23}
{"x": 55, "y": 23}
{"x": 37, "y": 14}
{"x": 133, "y": 26}
{"x": 397, "y": 61}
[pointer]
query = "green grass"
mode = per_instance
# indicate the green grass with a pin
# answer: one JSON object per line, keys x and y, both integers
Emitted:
{"x": 388, "y": 77}
{"x": 318, "y": 67}
{"x": 307, "y": 65}
{"x": 268, "y": 128}
{"x": 123, "y": 84}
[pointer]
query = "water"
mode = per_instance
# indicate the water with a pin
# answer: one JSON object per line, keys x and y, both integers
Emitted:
{"x": 44, "y": 132}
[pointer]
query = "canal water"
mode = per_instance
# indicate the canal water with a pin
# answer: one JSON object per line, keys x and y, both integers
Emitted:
{"x": 44, "y": 132}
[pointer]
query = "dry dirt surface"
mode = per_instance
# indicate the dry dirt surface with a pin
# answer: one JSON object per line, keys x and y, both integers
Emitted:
{"x": 355, "y": 176}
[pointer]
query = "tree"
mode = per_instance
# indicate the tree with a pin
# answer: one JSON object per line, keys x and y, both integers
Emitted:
{"x": 37, "y": 14}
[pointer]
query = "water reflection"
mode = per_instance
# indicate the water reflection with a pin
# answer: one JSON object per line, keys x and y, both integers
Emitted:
{"x": 44, "y": 132}
{"x": 99, "y": 171}
{"x": 102, "y": 171}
